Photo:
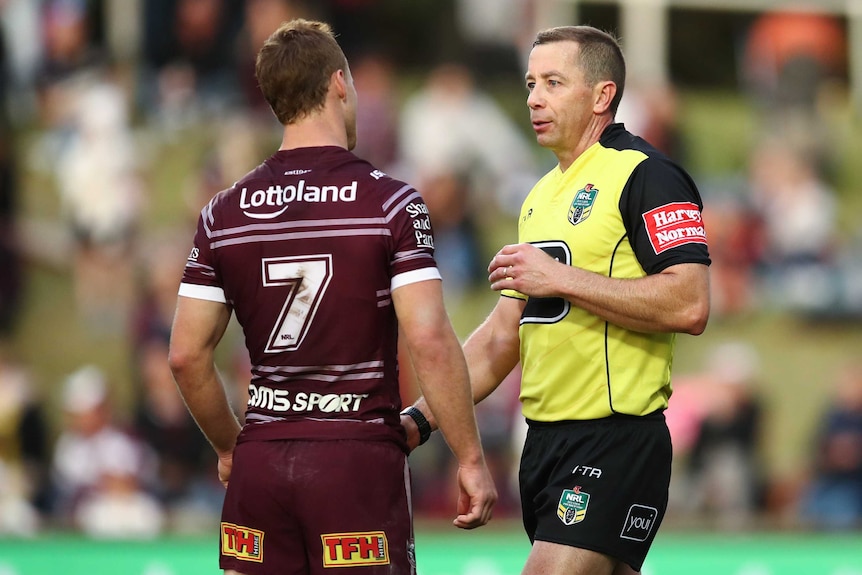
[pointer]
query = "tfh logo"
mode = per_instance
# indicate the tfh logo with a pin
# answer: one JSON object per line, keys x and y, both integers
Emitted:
{"x": 242, "y": 542}
{"x": 355, "y": 549}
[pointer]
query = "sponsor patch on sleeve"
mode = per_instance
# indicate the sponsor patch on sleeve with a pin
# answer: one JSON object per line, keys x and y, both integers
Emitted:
{"x": 673, "y": 225}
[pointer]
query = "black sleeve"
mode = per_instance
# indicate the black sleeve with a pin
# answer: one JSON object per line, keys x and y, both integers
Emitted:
{"x": 661, "y": 210}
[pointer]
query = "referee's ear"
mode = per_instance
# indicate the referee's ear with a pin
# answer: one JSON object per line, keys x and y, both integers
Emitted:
{"x": 604, "y": 93}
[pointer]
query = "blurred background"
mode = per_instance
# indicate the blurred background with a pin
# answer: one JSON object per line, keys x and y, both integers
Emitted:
{"x": 119, "y": 119}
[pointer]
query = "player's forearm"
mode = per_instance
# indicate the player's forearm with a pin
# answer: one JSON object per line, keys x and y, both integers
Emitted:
{"x": 491, "y": 352}
{"x": 443, "y": 380}
{"x": 206, "y": 398}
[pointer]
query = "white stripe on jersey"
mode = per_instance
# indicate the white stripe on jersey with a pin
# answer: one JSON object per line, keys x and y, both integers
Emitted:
{"x": 414, "y": 276}
{"x": 300, "y": 235}
{"x": 394, "y": 197}
{"x": 310, "y": 368}
{"x": 414, "y": 196}
{"x": 297, "y": 224}
{"x": 351, "y": 372}
{"x": 209, "y": 293}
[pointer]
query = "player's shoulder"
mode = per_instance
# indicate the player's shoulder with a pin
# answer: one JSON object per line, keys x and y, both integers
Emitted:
{"x": 380, "y": 186}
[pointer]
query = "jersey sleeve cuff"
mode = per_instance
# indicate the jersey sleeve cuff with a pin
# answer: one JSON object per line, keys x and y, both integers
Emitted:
{"x": 209, "y": 293}
{"x": 413, "y": 277}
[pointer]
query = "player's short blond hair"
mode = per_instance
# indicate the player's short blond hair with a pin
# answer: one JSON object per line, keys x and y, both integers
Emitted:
{"x": 294, "y": 67}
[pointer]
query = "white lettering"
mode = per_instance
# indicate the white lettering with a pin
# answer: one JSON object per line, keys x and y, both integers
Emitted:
{"x": 312, "y": 193}
{"x": 664, "y": 218}
{"x": 681, "y": 233}
{"x": 422, "y": 224}
{"x": 660, "y": 219}
{"x": 415, "y": 210}
{"x": 576, "y": 497}
{"x": 640, "y": 523}
{"x": 348, "y": 193}
{"x": 278, "y": 400}
{"x": 586, "y": 470}
{"x": 424, "y": 240}
{"x": 669, "y": 236}
{"x": 278, "y": 198}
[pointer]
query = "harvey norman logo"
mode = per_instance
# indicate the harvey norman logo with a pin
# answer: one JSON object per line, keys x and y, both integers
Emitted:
{"x": 273, "y": 201}
{"x": 673, "y": 225}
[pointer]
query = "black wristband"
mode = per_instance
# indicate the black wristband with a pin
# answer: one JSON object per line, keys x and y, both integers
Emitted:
{"x": 422, "y": 423}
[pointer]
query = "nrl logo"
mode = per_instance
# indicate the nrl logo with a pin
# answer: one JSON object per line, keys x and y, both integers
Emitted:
{"x": 573, "y": 506}
{"x": 582, "y": 205}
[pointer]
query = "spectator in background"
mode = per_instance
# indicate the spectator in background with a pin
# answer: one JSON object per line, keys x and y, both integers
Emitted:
{"x": 189, "y": 48}
{"x": 186, "y": 485}
{"x": 162, "y": 268}
{"x": 798, "y": 210}
{"x": 790, "y": 58}
{"x": 724, "y": 468}
{"x": 451, "y": 126}
{"x": 464, "y": 152}
{"x": 833, "y": 499}
{"x": 735, "y": 231}
{"x": 651, "y": 111}
{"x": 495, "y": 35}
{"x": 101, "y": 192}
{"x": 10, "y": 258}
{"x": 94, "y": 460}
{"x": 69, "y": 58}
{"x": 377, "y": 111}
{"x": 23, "y": 451}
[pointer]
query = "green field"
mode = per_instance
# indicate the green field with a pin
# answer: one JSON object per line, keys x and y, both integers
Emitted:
{"x": 488, "y": 551}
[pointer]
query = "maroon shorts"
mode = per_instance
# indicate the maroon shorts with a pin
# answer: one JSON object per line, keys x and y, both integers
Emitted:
{"x": 304, "y": 507}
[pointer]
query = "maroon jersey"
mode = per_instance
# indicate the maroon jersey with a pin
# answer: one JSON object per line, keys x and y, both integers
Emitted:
{"x": 306, "y": 249}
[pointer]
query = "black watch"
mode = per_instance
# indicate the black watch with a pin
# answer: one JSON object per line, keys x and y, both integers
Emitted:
{"x": 422, "y": 423}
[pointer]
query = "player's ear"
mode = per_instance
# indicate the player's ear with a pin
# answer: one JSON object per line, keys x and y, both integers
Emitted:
{"x": 603, "y": 95}
{"x": 339, "y": 83}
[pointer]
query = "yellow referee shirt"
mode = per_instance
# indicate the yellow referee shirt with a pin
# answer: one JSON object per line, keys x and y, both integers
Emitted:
{"x": 621, "y": 210}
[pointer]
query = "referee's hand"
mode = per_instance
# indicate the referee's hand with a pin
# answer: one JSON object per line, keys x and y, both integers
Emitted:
{"x": 477, "y": 496}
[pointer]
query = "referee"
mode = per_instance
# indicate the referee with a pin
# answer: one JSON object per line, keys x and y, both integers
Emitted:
{"x": 612, "y": 262}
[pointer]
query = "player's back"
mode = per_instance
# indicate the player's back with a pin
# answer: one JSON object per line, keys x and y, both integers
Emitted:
{"x": 305, "y": 248}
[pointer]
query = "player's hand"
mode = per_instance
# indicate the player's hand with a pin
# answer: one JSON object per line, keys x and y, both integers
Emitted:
{"x": 525, "y": 268}
{"x": 477, "y": 496}
{"x": 225, "y": 464}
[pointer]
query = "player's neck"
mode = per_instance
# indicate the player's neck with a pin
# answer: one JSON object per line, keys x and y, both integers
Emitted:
{"x": 314, "y": 131}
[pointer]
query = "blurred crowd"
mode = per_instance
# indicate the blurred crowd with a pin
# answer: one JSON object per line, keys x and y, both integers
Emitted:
{"x": 94, "y": 112}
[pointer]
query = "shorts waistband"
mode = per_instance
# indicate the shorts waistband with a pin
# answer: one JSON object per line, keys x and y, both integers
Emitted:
{"x": 656, "y": 416}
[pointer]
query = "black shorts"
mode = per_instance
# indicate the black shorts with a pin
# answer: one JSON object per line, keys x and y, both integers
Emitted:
{"x": 600, "y": 484}
{"x": 304, "y": 507}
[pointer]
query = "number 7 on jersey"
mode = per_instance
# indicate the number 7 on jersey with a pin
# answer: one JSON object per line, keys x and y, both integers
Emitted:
{"x": 306, "y": 279}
